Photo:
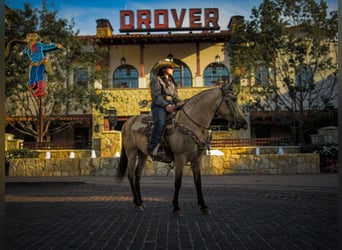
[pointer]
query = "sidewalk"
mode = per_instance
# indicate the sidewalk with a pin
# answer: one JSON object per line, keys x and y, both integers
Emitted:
{"x": 314, "y": 180}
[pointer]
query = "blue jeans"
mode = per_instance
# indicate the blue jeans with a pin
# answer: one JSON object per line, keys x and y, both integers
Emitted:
{"x": 159, "y": 115}
{"x": 37, "y": 73}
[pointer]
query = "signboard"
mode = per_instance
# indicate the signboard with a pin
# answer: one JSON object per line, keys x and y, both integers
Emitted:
{"x": 159, "y": 20}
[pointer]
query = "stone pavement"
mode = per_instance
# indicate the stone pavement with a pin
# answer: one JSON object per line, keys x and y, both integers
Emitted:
{"x": 248, "y": 212}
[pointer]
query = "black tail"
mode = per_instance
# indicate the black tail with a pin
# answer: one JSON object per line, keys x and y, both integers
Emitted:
{"x": 121, "y": 171}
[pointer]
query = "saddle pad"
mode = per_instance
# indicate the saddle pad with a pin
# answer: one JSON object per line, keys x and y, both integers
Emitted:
{"x": 142, "y": 121}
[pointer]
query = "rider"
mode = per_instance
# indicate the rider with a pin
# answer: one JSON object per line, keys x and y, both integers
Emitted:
{"x": 165, "y": 100}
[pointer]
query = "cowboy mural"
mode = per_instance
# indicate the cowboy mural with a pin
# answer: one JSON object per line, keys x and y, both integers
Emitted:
{"x": 36, "y": 51}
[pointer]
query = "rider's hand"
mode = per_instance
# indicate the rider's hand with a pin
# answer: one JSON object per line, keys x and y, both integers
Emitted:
{"x": 170, "y": 108}
{"x": 179, "y": 104}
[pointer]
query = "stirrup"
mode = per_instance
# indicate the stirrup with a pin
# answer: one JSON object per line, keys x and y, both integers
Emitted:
{"x": 158, "y": 155}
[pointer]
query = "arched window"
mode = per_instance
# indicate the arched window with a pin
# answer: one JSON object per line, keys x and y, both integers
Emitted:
{"x": 261, "y": 75}
{"x": 182, "y": 75}
{"x": 125, "y": 76}
{"x": 304, "y": 76}
{"x": 215, "y": 73}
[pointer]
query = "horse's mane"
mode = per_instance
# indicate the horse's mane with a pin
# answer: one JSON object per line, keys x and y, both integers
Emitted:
{"x": 198, "y": 95}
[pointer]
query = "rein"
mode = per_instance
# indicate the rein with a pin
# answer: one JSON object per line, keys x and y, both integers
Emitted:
{"x": 191, "y": 133}
{"x": 196, "y": 123}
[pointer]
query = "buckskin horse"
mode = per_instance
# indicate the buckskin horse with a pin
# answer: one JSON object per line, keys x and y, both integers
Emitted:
{"x": 187, "y": 140}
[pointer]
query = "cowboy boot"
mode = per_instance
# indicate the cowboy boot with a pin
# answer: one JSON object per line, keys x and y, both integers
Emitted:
{"x": 40, "y": 90}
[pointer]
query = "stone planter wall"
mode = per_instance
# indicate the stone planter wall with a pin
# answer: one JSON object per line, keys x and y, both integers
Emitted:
{"x": 211, "y": 165}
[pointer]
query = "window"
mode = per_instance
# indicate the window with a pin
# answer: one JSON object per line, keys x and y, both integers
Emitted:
{"x": 261, "y": 75}
{"x": 303, "y": 76}
{"x": 81, "y": 76}
{"x": 215, "y": 73}
{"x": 125, "y": 76}
{"x": 182, "y": 74}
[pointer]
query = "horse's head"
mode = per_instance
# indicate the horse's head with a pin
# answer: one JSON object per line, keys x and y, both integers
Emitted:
{"x": 230, "y": 110}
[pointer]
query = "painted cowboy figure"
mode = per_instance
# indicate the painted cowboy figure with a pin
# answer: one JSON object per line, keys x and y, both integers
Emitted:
{"x": 36, "y": 50}
{"x": 165, "y": 100}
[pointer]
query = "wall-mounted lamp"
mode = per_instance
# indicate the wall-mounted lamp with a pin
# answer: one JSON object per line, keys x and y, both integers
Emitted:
{"x": 217, "y": 59}
{"x": 170, "y": 56}
{"x": 123, "y": 61}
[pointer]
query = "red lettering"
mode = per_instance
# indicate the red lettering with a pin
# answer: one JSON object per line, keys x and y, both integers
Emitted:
{"x": 199, "y": 19}
{"x": 194, "y": 18}
{"x": 161, "y": 19}
{"x": 126, "y": 15}
{"x": 211, "y": 17}
{"x": 178, "y": 21}
{"x": 144, "y": 18}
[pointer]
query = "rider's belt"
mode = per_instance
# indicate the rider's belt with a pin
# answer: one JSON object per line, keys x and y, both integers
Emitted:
{"x": 39, "y": 63}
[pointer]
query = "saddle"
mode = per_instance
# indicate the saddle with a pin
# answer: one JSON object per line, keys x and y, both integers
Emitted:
{"x": 143, "y": 125}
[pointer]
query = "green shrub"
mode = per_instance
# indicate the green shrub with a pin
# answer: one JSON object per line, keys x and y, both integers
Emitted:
{"x": 20, "y": 153}
{"x": 328, "y": 154}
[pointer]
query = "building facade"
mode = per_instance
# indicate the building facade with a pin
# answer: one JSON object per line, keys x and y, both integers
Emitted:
{"x": 197, "y": 45}
{"x": 198, "y": 51}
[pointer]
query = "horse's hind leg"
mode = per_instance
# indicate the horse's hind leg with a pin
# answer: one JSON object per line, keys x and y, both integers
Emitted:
{"x": 134, "y": 181}
{"x": 196, "y": 169}
{"x": 138, "y": 171}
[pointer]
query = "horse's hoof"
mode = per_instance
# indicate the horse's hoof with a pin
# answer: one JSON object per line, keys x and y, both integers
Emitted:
{"x": 139, "y": 208}
{"x": 205, "y": 211}
{"x": 177, "y": 212}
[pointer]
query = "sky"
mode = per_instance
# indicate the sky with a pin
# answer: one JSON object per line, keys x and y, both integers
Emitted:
{"x": 86, "y": 12}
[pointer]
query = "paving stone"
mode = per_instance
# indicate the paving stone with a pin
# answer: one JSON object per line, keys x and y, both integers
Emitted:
{"x": 77, "y": 215}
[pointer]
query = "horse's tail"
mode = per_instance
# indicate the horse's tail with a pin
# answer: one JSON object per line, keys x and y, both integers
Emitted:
{"x": 121, "y": 171}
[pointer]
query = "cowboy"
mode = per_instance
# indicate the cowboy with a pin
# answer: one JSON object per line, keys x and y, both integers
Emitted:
{"x": 165, "y": 100}
{"x": 36, "y": 52}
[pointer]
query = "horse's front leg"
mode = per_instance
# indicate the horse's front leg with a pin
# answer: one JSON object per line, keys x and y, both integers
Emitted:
{"x": 196, "y": 170}
{"x": 178, "y": 185}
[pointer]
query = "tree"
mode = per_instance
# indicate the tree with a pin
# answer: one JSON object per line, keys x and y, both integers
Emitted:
{"x": 63, "y": 98}
{"x": 288, "y": 50}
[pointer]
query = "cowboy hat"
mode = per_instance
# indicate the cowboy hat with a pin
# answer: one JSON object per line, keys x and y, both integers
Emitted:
{"x": 33, "y": 37}
{"x": 162, "y": 64}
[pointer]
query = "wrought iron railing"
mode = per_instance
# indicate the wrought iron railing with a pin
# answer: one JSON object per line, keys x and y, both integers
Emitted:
{"x": 246, "y": 142}
{"x": 55, "y": 146}
{"x": 219, "y": 143}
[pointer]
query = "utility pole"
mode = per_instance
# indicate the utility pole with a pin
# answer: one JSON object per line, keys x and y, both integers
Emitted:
{"x": 41, "y": 121}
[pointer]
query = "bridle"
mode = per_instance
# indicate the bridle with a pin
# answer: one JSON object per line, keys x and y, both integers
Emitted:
{"x": 226, "y": 96}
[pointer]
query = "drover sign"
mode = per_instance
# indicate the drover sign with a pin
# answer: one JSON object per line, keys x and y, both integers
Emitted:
{"x": 158, "y": 20}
